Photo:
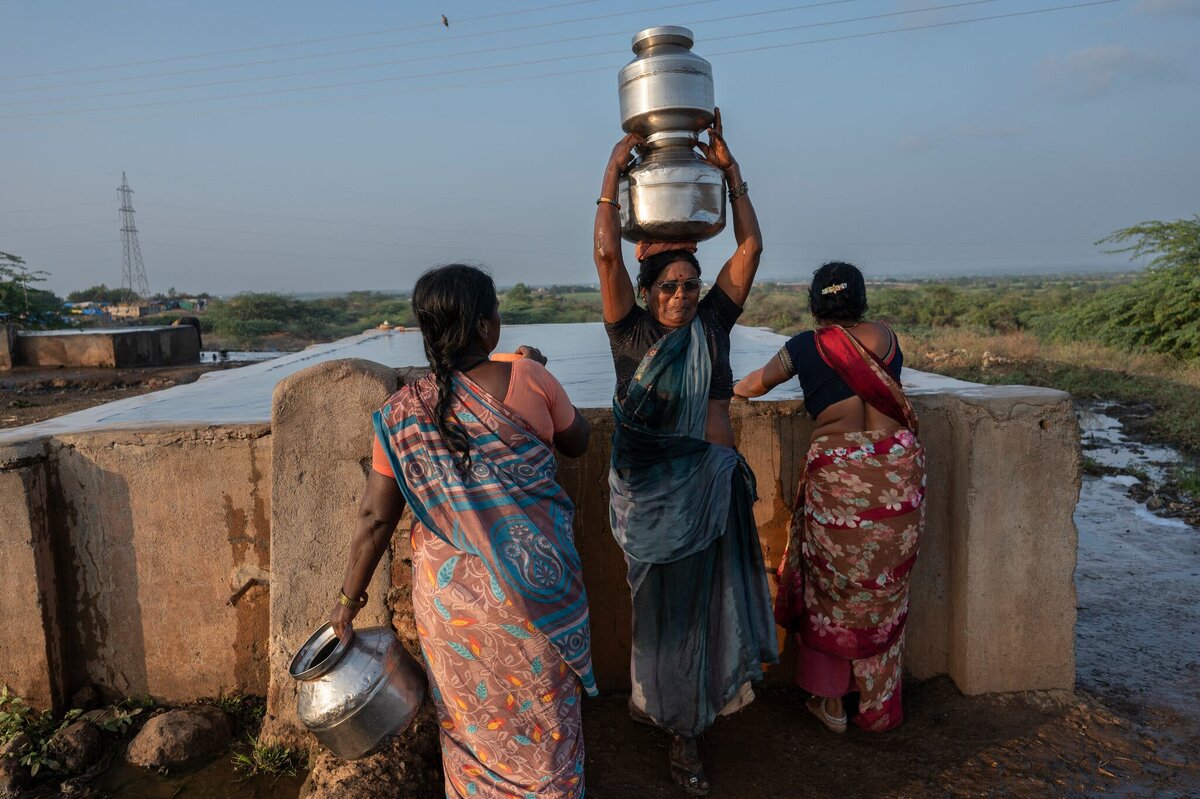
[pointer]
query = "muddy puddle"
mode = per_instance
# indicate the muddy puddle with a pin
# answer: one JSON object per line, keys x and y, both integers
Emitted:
{"x": 1138, "y": 634}
{"x": 215, "y": 780}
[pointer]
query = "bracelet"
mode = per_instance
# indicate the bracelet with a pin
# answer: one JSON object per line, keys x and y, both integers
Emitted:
{"x": 354, "y": 604}
{"x": 739, "y": 191}
{"x": 610, "y": 202}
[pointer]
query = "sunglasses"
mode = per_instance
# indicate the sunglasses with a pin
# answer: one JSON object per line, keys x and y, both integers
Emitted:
{"x": 691, "y": 285}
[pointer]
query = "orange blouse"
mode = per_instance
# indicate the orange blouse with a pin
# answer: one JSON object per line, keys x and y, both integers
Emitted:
{"x": 533, "y": 393}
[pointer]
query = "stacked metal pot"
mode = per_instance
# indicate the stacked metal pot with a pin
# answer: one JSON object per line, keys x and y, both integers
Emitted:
{"x": 669, "y": 193}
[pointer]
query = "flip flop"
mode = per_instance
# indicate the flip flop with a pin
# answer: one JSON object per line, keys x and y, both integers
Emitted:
{"x": 816, "y": 706}
{"x": 687, "y": 775}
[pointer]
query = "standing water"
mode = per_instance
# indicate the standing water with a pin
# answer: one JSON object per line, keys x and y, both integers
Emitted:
{"x": 1138, "y": 632}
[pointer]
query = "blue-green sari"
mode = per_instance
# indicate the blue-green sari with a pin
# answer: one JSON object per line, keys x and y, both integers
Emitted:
{"x": 682, "y": 512}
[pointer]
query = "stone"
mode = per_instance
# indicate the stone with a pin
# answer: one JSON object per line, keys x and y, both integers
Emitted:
{"x": 77, "y": 747}
{"x": 180, "y": 736}
{"x": 408, "y": 767}
{"x": 86, "y": 698}
{"x": 13, "y": 776}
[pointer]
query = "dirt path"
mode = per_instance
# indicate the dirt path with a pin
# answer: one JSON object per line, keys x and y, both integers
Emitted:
{"x": 1033, "y": 746}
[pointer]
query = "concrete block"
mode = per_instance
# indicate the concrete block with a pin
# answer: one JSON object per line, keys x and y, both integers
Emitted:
{"x": 321, "y": 448}
{"x": 30, "y": 630}
{"x": 8, "y": 346}
{"x": 165, "y": 559}
{"x": 1014, "y": 594}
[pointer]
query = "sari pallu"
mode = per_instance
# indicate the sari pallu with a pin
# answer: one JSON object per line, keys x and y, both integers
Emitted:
{"x": 852, "y": 544}
{"x": 498, "y": 595}
{"x": 681, "y": 510}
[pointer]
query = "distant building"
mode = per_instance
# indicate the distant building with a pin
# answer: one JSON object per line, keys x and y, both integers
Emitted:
{"x": 133, "y": 311}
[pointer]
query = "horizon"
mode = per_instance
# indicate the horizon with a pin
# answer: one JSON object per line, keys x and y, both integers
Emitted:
{"x": 360, "y": 145}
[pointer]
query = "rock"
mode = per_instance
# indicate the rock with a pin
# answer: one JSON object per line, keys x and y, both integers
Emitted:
{"x": 86, "y": 698}
{"x": 408, "y": 767}
{"x": 180, "y": 736}
{"x": 76, "y": 747}
{"x": 13, "y": 776}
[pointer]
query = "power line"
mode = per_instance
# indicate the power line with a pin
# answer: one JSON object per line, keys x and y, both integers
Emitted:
{"x": 482, "y": 68}
{"x": 915, "y": 28}
{"x": 295, "y": 43}
{"x": 438, "y": 39}
{"x": 560, "y": 40}
{"x": 475, "y": 84}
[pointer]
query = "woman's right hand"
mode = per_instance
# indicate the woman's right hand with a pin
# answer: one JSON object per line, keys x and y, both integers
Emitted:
{"x": 622, "y": 153}
{"x": 340, "y": 619}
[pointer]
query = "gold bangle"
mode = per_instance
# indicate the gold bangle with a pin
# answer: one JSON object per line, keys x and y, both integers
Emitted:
{"x": 354, "y": 604}
{"x": 610, "y": 202}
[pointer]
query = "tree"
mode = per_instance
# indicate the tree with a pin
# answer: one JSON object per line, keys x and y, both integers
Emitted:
{"x": 20, "y": 300}
{"x": 1160, "y": 310}
{"x": 100, "y": 293}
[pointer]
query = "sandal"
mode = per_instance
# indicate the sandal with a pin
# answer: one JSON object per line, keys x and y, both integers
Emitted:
{"x": 686, "y": 769}
{"x": 816, "y": 706}
{"x": 640, "y": 716}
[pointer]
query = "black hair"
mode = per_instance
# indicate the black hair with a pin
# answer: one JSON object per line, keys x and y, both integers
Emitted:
{"x": 448, "y": 302}
{"x": 848, "y": 303}
{"x": 652, "y": 267}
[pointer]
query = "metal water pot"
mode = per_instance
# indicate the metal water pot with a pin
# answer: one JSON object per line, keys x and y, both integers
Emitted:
{"x": 354, "y": 694}
{"x": 672, "y": 194}
{"x": 667, "y": 87}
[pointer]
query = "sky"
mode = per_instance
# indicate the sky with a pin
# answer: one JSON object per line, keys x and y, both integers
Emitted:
{"x": 323, "y": 147}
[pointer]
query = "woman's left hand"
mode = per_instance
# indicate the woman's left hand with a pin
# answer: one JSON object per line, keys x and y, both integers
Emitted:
{"x": 716, "y": 152}
{"x": 533, "y": 353}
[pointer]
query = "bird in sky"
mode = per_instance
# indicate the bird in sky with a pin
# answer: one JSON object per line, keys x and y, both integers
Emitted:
{"x": 445, "y": 21}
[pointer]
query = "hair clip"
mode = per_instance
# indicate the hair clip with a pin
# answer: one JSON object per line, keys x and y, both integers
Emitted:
{"x": 835, "y": 288}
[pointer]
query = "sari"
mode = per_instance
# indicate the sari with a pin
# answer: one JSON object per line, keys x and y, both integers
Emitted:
{"x": 681, "y": 510}
{"x": 852, "y": 543}
{"x": 498, "y": 595}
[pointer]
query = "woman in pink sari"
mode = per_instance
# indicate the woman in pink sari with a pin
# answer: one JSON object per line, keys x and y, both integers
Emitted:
{"x": 498, "y": 594}
{"x": 843, "y": 589}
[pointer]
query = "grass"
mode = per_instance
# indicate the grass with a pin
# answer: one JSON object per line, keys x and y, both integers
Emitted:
{"x": 1083, "y": 369}
{"x": 1188, "y": 479}
{"x": 247, "y": 710}
{"x": 265, "y": 759}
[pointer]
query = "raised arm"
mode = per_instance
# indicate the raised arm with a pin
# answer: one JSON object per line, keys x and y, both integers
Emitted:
{"x": 737, "y": 275}
{"x": 762, "y": 380}
{"x": 616, "y": 289}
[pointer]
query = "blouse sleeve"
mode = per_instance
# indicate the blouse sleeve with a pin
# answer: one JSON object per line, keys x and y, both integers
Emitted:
{"x": 725, "y": 312}
{"x": 790, "y": 355}
{"x": 379, "y": 459}
{"x": 562, "y": 412}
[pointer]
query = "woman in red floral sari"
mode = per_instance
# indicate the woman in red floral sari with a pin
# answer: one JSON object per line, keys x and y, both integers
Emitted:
{"x": 859, "y": 509}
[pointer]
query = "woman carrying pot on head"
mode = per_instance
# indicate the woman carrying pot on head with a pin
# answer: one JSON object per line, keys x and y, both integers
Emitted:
{"x": 859, "y": 509}
{"x": 498, "y": 594}
{"x": 681, "y": 494}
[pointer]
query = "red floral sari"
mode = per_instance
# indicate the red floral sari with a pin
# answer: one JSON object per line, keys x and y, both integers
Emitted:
{"x": 852, "y": 544}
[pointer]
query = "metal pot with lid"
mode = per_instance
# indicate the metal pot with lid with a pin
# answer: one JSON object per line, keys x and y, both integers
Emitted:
{"x": 667, "y": 87}
{"x": 666, "y": 95}
{"x": 355, "y": 693}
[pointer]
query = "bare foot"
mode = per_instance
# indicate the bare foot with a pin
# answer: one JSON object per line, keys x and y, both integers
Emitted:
{"x": 686, "y": 768}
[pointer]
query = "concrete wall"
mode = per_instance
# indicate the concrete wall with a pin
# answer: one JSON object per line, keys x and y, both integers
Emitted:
{"x": 8, "y": 344}
{"x": 31, "y": 662}
{"x": 993, "y": 593}
{"x": 152, "y": 533}
{"x": 123, "y": 550}
{"x": 150, "y": 347}
{"x": 322, "y": 455}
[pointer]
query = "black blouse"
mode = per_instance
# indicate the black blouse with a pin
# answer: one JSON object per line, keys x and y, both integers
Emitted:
{"x": 632, "y": 337}
{"x": 821, "y": 385}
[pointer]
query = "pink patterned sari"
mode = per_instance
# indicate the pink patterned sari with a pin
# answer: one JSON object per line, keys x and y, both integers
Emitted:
{"x": 853, "y": 541}
{"x": 498, "y": 595}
